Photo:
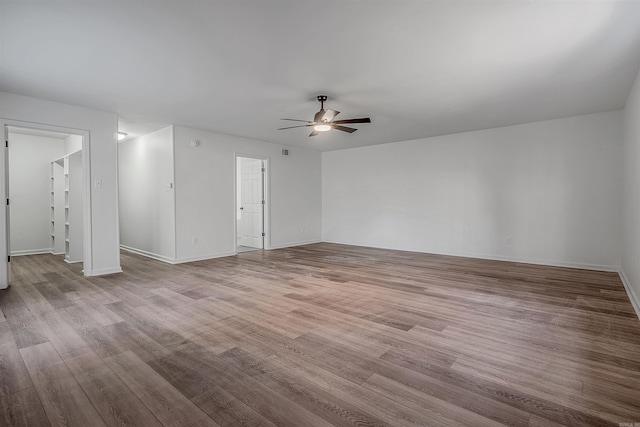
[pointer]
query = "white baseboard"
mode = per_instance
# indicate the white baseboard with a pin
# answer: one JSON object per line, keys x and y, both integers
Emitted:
{"x": 224, "y": 254}
{"x": 289, "y": 245}
{"x": 521, "y": 260}
{"x": 552, "y": 263}
{"x": 204, "y": 257}
{"x": 635, "y": 301}
{"x": 176, "y": 260}
{"x": 31, "y": 252}
{"x": 149, "y": 254}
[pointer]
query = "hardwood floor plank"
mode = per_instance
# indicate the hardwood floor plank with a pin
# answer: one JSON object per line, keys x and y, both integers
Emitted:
{"x": 36, "y": 303}
{"x": 122, "y": 293}
{"x": 27, "y": 330}
{"x": 177, "y": 297}
{"x": 248, "y": 389}
{"x": 62, "y": 397}
{"x": 416, "y": 317}
{"x": 59, "y": 333}
{"x": 168, "y": 405}
{"x": 464, "y": 397}
{"x": 93, "y": 304}
{"x": 22, "y": 408}
{"x": 95, "y": 336}
{"x": 447, "y": 413}
{"x": 130, "y": 338}
{"x": 149, "y": 323}
{"x": 519, "y": 378}
{"x": 117, "y": 405}
{"x": 11, "y": 303}
{"x": 342, "y": 331}
{"x": 53, "y": 295}
{"x": 13, "y": 374}
{"x": 494, "y": 391}
{"x": 185, "y": 378}
{"x": 321, "y": 334}
{"x": 377, "y": 404}
{"x": 536, "y": 421}
{"x": 213, "y": 339}
{"x": 64, "y": 281}
{"x": 557, "y": 351}
{"x": 302, "y": 392}
{"x": 226, "y": 410}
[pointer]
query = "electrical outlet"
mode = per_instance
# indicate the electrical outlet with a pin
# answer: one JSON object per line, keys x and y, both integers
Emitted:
{"x": 303, "y": 229}
{"x": 507, "y": 240}
{"x": 195, "y": 240}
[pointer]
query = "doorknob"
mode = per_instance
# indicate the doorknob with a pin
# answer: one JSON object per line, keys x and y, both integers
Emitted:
{"x": 241, "y": 208}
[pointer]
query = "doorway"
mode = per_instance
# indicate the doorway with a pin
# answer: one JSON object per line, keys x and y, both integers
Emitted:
{"x": 250, "y": 203}
{"x": 45, "y": 192}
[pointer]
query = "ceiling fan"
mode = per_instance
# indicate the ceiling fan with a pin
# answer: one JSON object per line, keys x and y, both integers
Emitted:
{"x": 323, "y": 120}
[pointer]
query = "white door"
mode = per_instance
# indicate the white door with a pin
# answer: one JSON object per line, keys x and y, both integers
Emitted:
{"x": 5, "y": 269}
{"x": 251, "y": 206}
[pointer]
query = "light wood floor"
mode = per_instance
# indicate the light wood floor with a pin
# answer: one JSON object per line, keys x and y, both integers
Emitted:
{"x": 317, "y": 335}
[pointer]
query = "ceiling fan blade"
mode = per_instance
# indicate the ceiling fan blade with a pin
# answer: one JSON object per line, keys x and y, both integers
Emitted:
{"x": 299, "y": 126}
{"x": 363, "y": 120}
{"x": 313, "y": 133}
{"x": 344, "y": 128}
{"x": 329, "y": 115}
{"x": 296, "y": 120}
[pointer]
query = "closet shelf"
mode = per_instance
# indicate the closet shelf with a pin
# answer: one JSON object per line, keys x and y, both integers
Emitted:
{"x": 66, "y": 194}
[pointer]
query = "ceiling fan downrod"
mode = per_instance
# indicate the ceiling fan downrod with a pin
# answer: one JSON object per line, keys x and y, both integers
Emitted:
{"x": 322, "y": 98}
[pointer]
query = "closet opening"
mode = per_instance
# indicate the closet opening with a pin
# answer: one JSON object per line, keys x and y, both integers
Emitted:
{"x": 45, "y": 193}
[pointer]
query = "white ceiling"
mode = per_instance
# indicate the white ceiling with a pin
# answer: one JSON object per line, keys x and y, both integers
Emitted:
{"x": 417, "y": 68}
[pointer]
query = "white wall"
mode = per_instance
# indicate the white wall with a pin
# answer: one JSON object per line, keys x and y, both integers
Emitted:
{"x": 205, "y": 193}
{"x": 630, "y": 271}
{"x": 553, "y": 187}
{"x": 30, "y": 160}
{"x": 72, "y": 143}
{"x": 103, "y": 256}
{"x": 147, "y": 205}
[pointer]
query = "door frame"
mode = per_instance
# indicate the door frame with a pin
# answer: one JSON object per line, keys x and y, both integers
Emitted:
{"x": 266, "y": 212}
{"x": 5, "y": 265}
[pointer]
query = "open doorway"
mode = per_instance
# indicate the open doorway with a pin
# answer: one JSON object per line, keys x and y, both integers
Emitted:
{"x": 45, "y": 188}
{"x": 250, "y": 203}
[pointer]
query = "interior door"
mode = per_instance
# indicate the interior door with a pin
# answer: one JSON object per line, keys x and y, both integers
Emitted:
{"x": 251, "y": 193}
{"x": 7, "y": 210}
{"x": 5, "y": 269}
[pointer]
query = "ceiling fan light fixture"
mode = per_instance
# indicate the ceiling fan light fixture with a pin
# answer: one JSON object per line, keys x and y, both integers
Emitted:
{"x": 323, "y": 121}
{"x": 322, "y": 128}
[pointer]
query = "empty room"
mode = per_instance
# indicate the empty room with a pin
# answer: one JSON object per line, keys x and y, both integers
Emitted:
{"x": 320, "y": 213}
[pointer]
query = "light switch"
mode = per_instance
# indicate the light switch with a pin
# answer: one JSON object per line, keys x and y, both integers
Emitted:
{"x": 98, "y": 183}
